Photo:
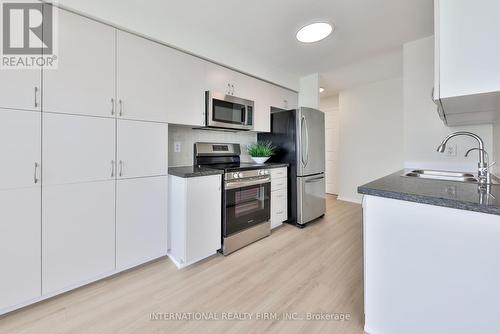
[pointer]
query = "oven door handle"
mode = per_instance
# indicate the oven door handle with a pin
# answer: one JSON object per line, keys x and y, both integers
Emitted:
{"x": 243, "y": 184}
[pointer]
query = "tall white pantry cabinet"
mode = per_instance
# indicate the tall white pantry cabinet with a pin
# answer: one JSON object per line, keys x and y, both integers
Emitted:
{"x": 78, "y": 175}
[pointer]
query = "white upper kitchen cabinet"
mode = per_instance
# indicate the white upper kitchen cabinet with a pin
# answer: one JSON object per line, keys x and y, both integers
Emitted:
{"x": 20, "y": 255}
{"x": 143, "y": 81}
{"x": 186, "y": 81}
{"x": 84, "y": 81}
{"x": 262, "y": 107}
{"x": 20, "y": 149}
{"x": 467, "y": 71}
{"x": 142, "y": 149}
{"x": 141, "y": 220}
{"x": 219, "y": 79}
{"x": 78, "y": 234}
{"x": 21, "y": 89}
{"x": 282, "y": 98}
{"x": 223, "y": 80}
{"x": 78, "y": 149}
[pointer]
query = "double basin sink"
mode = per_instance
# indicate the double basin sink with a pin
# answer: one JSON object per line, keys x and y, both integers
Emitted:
{"x": 446, "y": 176}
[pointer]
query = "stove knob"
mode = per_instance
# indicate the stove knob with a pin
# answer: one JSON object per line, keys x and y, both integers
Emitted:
{"x": 261, "y": 172}
{"x": 240, "y": 175}
{"x": 236, "y": 175}
{"x": 266, "y": 172}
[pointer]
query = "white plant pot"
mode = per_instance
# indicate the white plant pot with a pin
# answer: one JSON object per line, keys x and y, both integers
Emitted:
{"x": 260, "y": 161}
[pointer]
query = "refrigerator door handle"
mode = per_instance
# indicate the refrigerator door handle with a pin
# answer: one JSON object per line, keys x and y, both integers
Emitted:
{"x": 317, "y": 179}
{"x": 305, "y": 151}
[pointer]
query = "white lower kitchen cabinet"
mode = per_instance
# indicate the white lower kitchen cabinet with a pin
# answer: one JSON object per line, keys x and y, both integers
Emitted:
{"x": 195, "y": 223}
{"x": 20, "y": 249}
{"x": 78, "y": 234}
{"x": 141, "y": 220}
{"x": 142, "y": 149}
{"x": 279, "y": 196}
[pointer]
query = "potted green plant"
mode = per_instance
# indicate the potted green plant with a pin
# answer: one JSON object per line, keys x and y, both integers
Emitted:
{"x": 261, "y": 152}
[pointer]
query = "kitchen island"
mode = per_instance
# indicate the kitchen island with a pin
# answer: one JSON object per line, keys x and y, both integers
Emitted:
{"x": 432, "y": 256}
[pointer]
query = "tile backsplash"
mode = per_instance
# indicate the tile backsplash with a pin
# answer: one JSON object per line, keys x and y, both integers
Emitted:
{"x": 187, "y": 137}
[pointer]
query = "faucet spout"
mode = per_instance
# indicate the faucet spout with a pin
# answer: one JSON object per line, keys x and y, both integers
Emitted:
{"x": 442, "y": 147}
{"x": 483, "y": 169}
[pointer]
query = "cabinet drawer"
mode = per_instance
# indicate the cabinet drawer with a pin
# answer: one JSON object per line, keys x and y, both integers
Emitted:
{"x": 279, "y": 207}
{"x": 277, "y": 173}
{"x": 279, "y": 184}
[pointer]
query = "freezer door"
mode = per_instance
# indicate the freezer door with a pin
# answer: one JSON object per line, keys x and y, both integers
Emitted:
{"x": 311, "y": 142}
{"x": 311, "y": 198}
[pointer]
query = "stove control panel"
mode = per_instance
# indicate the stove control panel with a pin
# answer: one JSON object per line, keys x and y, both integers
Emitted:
{"x": 246, "y": 174}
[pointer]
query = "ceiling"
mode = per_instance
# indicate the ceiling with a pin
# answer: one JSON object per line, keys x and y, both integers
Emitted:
{"x": 259, "y": 36}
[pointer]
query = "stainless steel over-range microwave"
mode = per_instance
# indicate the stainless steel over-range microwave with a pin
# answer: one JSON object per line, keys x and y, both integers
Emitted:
{"x": 229, "y": 112}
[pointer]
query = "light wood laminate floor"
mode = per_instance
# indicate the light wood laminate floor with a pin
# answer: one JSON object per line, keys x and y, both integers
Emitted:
{"x": 316, "y": 269}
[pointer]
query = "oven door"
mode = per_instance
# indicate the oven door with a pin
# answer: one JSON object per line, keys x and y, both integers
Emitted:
{"x": 246, "y": 206}
{"x": 225, "y": 111}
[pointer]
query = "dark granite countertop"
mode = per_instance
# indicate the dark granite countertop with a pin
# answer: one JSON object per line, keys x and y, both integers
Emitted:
{"x": 274, "y": 165}
{"x": 193, "y": 171}
{"x": 450, "y": 194}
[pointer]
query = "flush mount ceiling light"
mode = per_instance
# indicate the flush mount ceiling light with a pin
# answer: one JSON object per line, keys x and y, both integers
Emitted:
{"x": 321, "y": 89}
{"x": 314, "y": 32}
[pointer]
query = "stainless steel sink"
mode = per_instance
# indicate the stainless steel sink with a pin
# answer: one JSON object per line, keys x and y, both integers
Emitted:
{"x": 444, "y": 175}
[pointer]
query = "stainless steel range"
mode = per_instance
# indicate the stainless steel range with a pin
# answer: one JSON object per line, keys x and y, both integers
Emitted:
{"x": 246, "y": 204}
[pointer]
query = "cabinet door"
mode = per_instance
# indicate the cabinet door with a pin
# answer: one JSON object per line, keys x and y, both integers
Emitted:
{"x": 78, "y": 235}
{"x": 142, "y": 79}
{"x": 203, "y": 231}
{"x": 84, "y": 82}
{"x": 141, "y": 220}
{"x": 142, "y": 149}
{"x": 219, "y": 79}
{"x": 279, "y": 210}
{"x": 283, "y": 98}
{"x": 187, "y": 84}
{"x": 467, "y": 64}
{"x": 20, "y": 149}
{"x": 20, "y": 249}
{"x": 21, "y": 89}
{"x": 77, "y": 148}
{"x": 262, "y": 121}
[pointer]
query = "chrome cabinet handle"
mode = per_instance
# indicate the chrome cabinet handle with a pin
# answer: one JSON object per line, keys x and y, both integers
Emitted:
{"x": 36, "y": 97}
{"x": 112, "y": 168}
{"x": 36, "y": 173}
{"x": 112, "y": 106}
{"x": 120, "y": 102}
{"x": 121, "y": 168}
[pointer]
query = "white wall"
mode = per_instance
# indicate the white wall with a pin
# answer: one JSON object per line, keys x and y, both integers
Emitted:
{"x": 423, "y": 129}
{"x": 188, "y": 136}
{"x": 371, "y": 135}
{"x": 309, "y": 91}
{"x": 330, "y": 106}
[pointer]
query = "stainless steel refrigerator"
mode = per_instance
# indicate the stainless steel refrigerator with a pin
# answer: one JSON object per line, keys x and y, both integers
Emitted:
{"x": 299, "y": 136}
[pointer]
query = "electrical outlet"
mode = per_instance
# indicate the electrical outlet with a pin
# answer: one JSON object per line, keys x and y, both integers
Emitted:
{"x": 177, "y": 147}
{"x": 451, "y": 150}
